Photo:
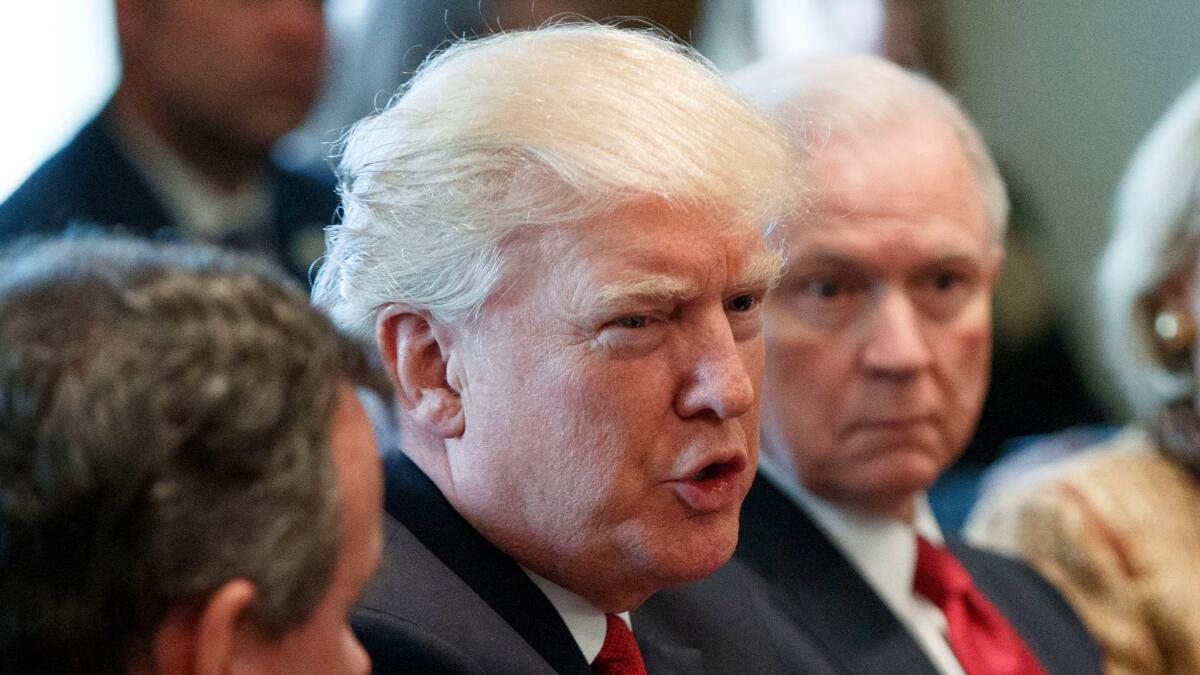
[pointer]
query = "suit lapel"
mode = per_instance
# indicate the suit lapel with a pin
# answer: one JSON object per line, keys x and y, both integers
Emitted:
{"x": 128, "y": 203}
{"x": 998, "y": 580}
{"x": 415, "y": 501}
{"x": 821, "y": 589}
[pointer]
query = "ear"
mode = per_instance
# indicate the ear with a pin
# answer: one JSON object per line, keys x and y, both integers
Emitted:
{"x": 996, "y": 260}
{"x": 416, "y": 352}
{"x": 209, "y": 639}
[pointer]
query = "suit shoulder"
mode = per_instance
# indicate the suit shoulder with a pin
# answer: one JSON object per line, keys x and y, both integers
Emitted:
{"x": 415, "y": 607}
{"x": 730, "y": 621}
{"x": 397, "y": 645}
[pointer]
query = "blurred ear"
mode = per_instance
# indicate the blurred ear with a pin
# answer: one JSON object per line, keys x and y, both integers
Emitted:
{"x": 416, "y": 351}
{"x": 996, "y": 260}
{"x": 211, "y": 639}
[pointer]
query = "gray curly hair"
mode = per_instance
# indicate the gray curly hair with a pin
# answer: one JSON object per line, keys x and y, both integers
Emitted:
{"x": 163, "y": 429}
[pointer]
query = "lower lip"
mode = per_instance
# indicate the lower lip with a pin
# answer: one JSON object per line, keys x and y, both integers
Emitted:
{"x": 714, "y": 494}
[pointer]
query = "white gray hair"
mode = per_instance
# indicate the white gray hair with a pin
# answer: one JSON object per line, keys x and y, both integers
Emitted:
{"x": 548, "y": 127}
{"x": 1156, "y": 233}
{"x": 856, "y": 95}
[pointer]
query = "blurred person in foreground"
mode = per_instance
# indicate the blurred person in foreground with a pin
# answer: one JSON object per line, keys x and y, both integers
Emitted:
{"x": 182, "y": 151}
{"x": 878, "y": 342}
{"x": 1117, "y": 526}
{"x": 187, "y": 481}
{"x": 556, "y": 239}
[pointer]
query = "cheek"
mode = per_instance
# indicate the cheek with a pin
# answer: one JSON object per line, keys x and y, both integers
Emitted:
{"x": 967, "y": 359}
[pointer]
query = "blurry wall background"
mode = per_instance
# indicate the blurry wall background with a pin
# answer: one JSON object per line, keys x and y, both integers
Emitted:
{"x": 1063, "y": 92}
{"x": 58, "y": 64}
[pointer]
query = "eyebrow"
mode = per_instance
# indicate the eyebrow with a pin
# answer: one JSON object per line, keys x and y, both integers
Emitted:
{"x": 762, "y": 271}
{"x": 819, "y": 256}
{"x": 652, "y": 289}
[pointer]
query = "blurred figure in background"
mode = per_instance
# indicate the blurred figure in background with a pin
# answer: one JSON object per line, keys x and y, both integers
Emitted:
{"x": 182, "y": 151}
{"x": 187, "y": 481}
{"x": 878, "y": 343}
{"x": 1117, "y": 527}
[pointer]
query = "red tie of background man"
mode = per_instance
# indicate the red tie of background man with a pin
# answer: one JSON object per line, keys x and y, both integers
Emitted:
{"x": 978, "y": 634}
{"x": 620, "y": 654}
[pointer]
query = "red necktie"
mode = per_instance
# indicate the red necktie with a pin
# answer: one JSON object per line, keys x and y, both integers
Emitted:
{"x": 620, "y": 654}
{"x": 978, "y": 634}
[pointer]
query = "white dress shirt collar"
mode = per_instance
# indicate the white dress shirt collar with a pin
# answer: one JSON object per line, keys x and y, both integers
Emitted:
{"x": 200, "y": 208}
{"x": 586, "y": 623}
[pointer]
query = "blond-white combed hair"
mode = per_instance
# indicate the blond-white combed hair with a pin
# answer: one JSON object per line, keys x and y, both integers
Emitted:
{"x": 821, "y": 98}
{"x": 1156, "y": 235}
{"x": 548, "y": 127}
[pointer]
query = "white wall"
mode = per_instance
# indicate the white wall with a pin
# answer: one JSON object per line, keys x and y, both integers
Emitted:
{"x": 1064, "y": 90}
{"x": 58, "y": 64}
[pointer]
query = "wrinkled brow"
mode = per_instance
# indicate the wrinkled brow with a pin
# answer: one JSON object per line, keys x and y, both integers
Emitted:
{"x": 762, "y": 271}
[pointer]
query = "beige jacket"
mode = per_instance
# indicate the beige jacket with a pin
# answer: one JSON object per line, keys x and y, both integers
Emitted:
{"x": 1117, "y": 529}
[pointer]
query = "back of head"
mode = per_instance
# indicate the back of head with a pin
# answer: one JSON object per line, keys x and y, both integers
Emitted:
{"x": 542, "y": 128}
{"x": 1156, "y": 236}
{"x": 163, "y": 429}
{"x": 833, "y": 98}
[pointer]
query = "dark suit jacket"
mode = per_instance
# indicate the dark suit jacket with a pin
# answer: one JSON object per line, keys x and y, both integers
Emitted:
{"x": 820, "y": 589}
{"x": 92, "y": 183}
{"x": 444, "y": 600}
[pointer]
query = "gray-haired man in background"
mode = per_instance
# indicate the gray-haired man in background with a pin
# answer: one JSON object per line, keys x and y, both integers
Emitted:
{"x": 878, "y": 340}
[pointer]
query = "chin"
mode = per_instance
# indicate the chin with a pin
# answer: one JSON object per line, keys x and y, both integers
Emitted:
{"x": 700, "y": 554}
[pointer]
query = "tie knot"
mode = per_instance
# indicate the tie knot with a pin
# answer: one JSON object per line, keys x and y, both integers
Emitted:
{"x": 939, "y": 575}
{"x": 620, "y": 654}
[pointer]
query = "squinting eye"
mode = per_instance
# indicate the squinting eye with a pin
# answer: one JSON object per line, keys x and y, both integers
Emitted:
{"x": 742, "y": 303}
{"x": 636, "y": 321}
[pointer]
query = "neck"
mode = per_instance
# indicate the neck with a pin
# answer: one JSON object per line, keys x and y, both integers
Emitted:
{"x": 225, "y": 163}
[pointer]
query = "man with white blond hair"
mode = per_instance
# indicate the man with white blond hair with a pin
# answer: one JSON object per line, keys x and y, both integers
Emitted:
{"x": 557, "y": 241}
{"x": 878, "y": 340}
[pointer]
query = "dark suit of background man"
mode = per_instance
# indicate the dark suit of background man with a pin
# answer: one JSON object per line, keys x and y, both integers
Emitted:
{"x": 188, "y": 483}
{"x": 182, "y": 150}
{"x": 878, "y": 341}
{"x": 556, "y": 240}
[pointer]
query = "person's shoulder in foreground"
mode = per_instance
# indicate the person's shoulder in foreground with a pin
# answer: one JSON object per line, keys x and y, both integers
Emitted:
{"x": 187, "y": 481}
{"x": 557, "y": 241}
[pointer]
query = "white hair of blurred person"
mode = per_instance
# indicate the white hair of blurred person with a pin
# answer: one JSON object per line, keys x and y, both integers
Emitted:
{"x": 822, "y": 98}
{"x": 1154, "y": 240}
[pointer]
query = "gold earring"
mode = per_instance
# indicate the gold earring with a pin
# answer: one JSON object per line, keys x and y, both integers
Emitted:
{"x": 1175, "y": 334}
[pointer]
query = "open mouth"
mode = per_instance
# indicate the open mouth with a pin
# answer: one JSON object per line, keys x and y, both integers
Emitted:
{"x": 714, "y": 487}
{"x": 715, "y": 471}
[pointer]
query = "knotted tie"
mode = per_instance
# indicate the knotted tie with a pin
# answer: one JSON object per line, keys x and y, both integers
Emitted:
{"x": 978, "y": 634}
{"x": 620, "y": 654}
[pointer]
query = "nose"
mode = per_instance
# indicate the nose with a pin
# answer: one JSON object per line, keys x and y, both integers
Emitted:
{"x": 720, "y": 382}
{"x": 895, "y": 345}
